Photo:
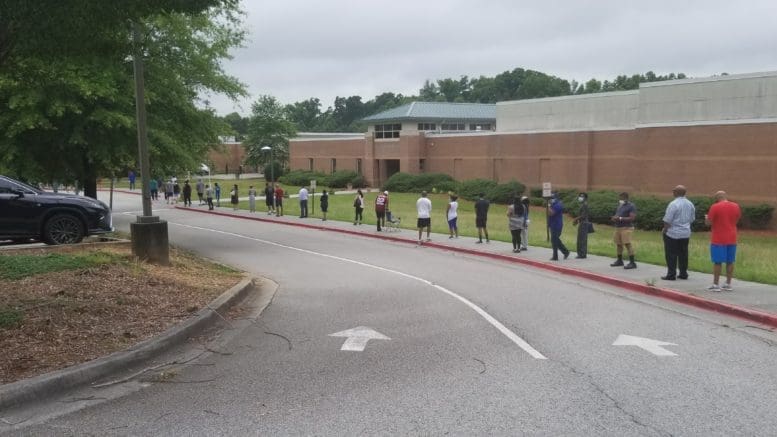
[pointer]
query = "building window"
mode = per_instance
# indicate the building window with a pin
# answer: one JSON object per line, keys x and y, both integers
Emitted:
{"x": 310, "y": 164}
{"x": 358, "y": 166}
{"x": 387, "y": 130}
{"x": 334, "y": 165}
{"x": 453, "y": 126}
{"x": 422, "y": 165}
{"x": 480, "y": 126}
{"x": 427, "y": 126}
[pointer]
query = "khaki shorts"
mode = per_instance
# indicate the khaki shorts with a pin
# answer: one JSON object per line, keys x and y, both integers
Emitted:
{"x": 623, "y": 236}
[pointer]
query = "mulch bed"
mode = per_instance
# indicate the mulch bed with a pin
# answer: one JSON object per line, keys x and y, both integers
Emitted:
{"x": 74, "y": 316}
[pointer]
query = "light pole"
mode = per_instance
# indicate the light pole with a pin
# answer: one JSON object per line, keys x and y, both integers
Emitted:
{"x": 272, "y": 174}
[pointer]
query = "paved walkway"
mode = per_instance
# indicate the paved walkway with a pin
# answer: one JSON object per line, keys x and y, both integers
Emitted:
{"x": 749, "y": 300}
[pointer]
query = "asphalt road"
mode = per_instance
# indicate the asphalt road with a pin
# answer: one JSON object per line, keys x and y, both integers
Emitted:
{"x": 476, "y": 347}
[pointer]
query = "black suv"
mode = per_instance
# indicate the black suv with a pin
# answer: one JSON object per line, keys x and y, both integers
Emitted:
{"x": 29, "y": 213}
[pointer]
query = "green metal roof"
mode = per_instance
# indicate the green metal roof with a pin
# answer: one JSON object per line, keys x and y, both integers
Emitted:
{"x": 423, "y": 111}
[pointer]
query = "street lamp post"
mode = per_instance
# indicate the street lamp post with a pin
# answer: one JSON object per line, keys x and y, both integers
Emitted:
{"x": 272, "y": 174}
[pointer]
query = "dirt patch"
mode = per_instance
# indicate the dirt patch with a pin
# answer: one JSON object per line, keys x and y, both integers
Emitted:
{"x": 55, "y": 320}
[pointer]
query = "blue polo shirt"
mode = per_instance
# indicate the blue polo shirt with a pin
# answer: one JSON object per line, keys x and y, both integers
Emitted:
{"x": 556, "y": 221}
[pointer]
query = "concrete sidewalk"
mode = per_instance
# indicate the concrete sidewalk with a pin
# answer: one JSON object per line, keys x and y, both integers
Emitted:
{"x": 749, "y": 300}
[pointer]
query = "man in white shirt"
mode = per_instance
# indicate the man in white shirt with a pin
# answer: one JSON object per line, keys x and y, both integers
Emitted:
{"x": 680, "y": 213}
{"x": 303, "y": 202}
{"x": 424, "y": 207}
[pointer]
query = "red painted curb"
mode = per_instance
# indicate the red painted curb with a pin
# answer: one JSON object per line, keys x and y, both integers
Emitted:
{"x": 664, "y": 293}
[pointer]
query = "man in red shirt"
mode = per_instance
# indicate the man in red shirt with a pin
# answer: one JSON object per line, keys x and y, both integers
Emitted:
{"x": 722, "y": 218}
{"x": 381, "y": 205}
{"x": 278, "y": 200}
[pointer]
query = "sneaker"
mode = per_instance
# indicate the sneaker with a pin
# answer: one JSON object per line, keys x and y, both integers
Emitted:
{"x": 713, "y": 287}
{"x": 630, "y": 266}
{"x": 479, "y": 242}
{"x": 726, "y": 287}
{"x": 566, "y": 255}
{"x": 617, "y": 263}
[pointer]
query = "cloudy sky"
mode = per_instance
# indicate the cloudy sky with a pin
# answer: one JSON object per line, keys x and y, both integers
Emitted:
{"x": 300, "y": 49}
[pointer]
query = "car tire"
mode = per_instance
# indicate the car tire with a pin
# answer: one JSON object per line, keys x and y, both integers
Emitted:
{"x": 63, "y": 229}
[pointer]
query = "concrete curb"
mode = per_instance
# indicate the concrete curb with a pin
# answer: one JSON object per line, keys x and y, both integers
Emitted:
{"x": 752, "y": 315}
{"x": 52, "y": 383}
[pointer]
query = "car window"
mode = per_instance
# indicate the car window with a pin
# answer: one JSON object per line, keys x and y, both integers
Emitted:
{"x": 8, "y": 185}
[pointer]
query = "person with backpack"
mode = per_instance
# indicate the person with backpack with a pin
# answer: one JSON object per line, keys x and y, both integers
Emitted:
{"x": 358, "y": 206}
{"x": 515, "y": 222}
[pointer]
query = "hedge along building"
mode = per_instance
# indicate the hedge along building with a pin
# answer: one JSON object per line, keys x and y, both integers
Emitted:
{"x": 709, "y": 134}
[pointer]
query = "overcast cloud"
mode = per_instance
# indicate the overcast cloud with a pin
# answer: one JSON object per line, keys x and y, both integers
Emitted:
{"x": 300, "y": 49}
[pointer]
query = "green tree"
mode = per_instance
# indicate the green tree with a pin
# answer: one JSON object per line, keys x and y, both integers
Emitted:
{"x": 268, "y": 126}
{"x": 71, "y": 116}
{"x": 305, "y": 114}
{"x": 238, "y": 123}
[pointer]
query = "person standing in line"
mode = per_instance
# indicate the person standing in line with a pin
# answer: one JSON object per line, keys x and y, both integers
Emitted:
{"x": 324, "y": 205}
{"x": 187, "y": 193}
{"x": 358, "y": 206}
{"x": 278, "y": 200}
{"x": 269, "y": 196}
{"x": 381, "y": 205}
{"x": 251, "y": 199}
{"x": 217, "y": 191}
{"x": 209, "y": 197}
{"x": 679, "y": 215}
{"x": 131, "y": 177}
{"x": 200, "y": 190}
{"x": 424, "y": 208}
{"x": 153, "y": 187}
{"x": 452, "y": 214}
{"x": 234, "y": 197}
{"x": 722, "y": 219}
{"x": 169, "y": 190}
{"x": 583, "y": 223}
{"x": 481, "y": 217}
{"x": 624, "y": 218}
{"x": 526, "y": 221}
{"x": 303, "y": 202}
{"x": 176, "y": 191}
{"x": 515, "y": 222}
{"x": 556, "y": 225}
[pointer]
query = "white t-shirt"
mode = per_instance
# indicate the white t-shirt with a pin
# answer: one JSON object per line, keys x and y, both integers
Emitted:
{"x": 453, "y": 211}
{"x": 424, "y": 207}
{"x": 303, "y": 194}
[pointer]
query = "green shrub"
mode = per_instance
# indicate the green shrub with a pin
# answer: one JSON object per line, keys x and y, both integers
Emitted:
{"x": 757, "y": 216}
{"x": 274, "y": 169}
{"x": 299, "y": 178}
{"x": 340, "y": 179}
{"x": 471, "y": 189}
{"x": 407, "y": 183}
{"x": 399, "y": 182}
{"x": 650, "y": 212}
{"x": 358, "y": 182}
{"x": 602, "y": 205}
{"x": 446, "y": 187}
{"x": 10, "y": 317}
{"x": 503, "y": 193}
{"x": 702, "y": 205}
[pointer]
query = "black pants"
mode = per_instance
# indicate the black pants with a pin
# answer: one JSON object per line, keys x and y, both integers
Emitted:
{"x": 676, "y": 251}
{"x": 187, "y": 200}
{"x": 555, "y": 241}
{"x": 582, "y": 239}
{"x": 516, "y": 234}
{"x": 358, "y": 218}
{"x": 381, "y": 218}
{"x": 199, "y": 196}
{"x": 303, "y": 208}
{"x": 210, "y": 203}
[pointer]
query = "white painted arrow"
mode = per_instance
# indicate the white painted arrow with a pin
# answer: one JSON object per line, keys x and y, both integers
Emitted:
{"x": 358, "y": 337}
{"x": 650, "y": 345}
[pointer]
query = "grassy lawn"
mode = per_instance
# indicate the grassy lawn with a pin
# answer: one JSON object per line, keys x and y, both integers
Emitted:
{"x": 755, "y": 257}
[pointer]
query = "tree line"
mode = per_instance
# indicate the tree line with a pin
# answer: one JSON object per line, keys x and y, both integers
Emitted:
{"x": 347, "y": 112}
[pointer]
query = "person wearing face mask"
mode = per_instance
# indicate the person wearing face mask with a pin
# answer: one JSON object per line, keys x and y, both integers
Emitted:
{"x": 584, "y": 222}
{"x": 624, "y": 218}
{"x": 556, "y": 225}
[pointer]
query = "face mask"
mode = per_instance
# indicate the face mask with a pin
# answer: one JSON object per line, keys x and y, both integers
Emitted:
{"x": 621, "y": 202}
{"x": 580, "y": 199}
